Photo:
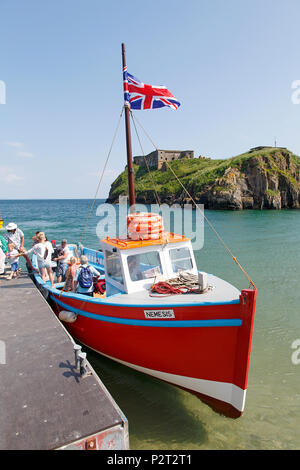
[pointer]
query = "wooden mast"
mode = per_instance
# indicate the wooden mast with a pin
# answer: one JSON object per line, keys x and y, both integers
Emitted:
{"x": 130, "y": 169}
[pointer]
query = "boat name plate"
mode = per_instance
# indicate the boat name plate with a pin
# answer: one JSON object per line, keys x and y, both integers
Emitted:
{"x": 159, "y": 313}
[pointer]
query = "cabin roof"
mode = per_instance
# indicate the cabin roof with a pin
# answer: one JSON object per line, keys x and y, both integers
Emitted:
{"x": 128, "y": 244}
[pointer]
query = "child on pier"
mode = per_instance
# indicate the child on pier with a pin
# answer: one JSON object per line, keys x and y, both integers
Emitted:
{"x": 13, "y": 258}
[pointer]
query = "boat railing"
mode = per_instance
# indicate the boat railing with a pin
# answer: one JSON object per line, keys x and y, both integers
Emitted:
{"x": 94, "y": 257}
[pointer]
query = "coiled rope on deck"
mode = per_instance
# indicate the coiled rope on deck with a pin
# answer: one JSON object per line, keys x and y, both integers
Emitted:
{"x": 185, "y": 283}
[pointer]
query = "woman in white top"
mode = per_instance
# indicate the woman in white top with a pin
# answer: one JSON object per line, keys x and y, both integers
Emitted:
{"x": 43, "y": 251}
{"x": 2, "y": 258}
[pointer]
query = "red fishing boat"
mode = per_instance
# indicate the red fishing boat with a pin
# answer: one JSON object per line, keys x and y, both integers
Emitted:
{"x": 197, "y": 338}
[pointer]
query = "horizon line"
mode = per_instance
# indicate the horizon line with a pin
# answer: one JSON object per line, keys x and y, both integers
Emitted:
{"x": 51, "y": 199}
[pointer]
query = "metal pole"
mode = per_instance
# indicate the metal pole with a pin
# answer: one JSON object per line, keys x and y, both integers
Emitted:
{"x": 129, "y": 147}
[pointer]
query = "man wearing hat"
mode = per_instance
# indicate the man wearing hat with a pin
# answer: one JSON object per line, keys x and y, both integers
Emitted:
{"x": 14, "y": 235}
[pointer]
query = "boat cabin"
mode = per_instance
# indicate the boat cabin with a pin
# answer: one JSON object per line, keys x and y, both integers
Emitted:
{"x": 132, "y": 266}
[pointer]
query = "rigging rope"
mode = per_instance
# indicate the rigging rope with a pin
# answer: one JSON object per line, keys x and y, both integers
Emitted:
{"x": 95, "y": 197}
{"x": 107, "y": 158}
{"x": 145, "y": 160}
{"x": 213, "y": 229}
{"x": 204, "y": 216}
{"x": 145, "y": 131}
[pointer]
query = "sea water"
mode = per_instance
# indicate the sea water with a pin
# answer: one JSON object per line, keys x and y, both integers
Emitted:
{"x": 267, "y": 245}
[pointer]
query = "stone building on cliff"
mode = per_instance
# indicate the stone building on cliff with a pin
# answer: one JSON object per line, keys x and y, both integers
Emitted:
{"x": 157, "y": 158}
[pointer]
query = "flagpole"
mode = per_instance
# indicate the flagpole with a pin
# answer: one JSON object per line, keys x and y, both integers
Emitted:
{"x": 128, "y": 146}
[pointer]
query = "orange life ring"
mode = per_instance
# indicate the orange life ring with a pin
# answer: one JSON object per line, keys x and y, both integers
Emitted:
{"x": 144, "y": 217}
{"x": 146, "y": 236}
{"x": 144, "y": 226}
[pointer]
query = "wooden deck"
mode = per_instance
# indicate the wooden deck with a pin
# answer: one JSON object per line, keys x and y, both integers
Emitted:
{"x": 44, "y": 401}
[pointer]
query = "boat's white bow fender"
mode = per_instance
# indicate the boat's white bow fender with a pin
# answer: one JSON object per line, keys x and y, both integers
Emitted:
{"x": 68, "y": 317}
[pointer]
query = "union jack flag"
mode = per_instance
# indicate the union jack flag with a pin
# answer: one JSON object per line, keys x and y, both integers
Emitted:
{"x": 141, "y": 96}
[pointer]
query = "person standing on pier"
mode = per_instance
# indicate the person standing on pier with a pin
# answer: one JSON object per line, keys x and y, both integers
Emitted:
{"x": 43, "y": 251}
{"x": 14, "y": 235}
{"x": 3, "y": 250}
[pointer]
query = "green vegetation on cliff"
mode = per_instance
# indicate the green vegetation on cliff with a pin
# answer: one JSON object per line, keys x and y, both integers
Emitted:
{"x": 267, "y": 177}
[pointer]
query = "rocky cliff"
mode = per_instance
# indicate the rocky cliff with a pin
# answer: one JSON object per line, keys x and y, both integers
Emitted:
{"x": 267, "y": 178}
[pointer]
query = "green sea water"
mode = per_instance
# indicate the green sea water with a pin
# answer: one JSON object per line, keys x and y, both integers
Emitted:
{"x": 160, "y": 416}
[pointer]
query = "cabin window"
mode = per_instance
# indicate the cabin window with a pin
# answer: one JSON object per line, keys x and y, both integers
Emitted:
{"x": 181, "y": 259}
{"x": 113, "y": 266}
{"x": 144, "y": 265}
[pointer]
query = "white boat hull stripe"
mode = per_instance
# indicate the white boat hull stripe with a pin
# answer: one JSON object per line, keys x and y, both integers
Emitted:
{"x": 226, "y": 392}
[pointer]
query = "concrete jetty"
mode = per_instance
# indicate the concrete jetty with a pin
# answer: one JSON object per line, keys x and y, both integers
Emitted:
{"x": 45, "y": 402}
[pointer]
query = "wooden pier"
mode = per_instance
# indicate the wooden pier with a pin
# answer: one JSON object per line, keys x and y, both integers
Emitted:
{"x": 45, "y": 403}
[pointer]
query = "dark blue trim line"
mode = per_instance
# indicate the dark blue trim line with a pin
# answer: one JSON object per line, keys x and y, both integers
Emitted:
{"x": 163, "y": 323}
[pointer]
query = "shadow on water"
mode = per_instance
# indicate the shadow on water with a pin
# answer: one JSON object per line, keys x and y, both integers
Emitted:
{"x": 154, "y": 409}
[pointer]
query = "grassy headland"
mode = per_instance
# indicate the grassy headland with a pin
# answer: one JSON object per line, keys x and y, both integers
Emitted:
{"x": 263, "y": 178}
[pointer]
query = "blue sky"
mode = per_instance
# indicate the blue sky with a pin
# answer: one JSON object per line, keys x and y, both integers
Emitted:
{"x": 230, "y": 63}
